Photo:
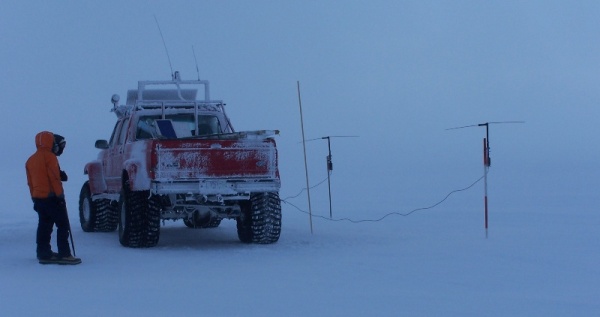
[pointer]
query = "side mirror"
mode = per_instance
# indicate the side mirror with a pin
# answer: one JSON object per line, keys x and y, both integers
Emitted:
{"x": 101, "y": 144}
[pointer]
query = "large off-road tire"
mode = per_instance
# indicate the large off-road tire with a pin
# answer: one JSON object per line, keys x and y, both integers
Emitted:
{"x": 202, "y": 222}
{"x": 260, "y": 221}
{"x": 139, "y": 218}
{"x": 96, "y": 215}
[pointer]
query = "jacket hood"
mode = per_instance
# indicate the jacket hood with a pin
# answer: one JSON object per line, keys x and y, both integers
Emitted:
{"x": 44, "y": 140}
{"x": 59, "y": 144}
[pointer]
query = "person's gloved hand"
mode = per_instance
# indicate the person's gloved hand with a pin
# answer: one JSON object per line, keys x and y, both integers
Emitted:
{"x": 63, "y": 176}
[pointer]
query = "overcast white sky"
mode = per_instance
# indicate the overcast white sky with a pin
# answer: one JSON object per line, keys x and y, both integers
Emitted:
{"x": 395, "y": 73}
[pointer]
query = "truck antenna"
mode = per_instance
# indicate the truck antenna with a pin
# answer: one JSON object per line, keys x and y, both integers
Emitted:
{"x": 165, "y": 45}
{"x": 196, "y": 60}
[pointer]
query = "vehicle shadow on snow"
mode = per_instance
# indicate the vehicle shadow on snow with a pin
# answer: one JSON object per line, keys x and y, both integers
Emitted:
{"x": 177, "y": 236}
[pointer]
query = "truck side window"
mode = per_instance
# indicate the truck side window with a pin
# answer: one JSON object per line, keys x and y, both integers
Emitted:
{"x": 145, "y": 127}
{"x": 114, "y": 133}
{"x": 123, "y": 133}
{"x": 208, "y": 125}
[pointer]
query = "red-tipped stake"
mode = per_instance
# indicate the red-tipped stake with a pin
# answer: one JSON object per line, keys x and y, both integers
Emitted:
{"x": 486, "y": 165}
{"x": 486, "y": 160}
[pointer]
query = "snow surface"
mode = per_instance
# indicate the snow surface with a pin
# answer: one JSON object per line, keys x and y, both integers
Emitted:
{"x": 435, "y": 262}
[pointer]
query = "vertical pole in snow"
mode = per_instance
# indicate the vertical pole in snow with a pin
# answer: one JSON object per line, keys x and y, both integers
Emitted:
{"x": 486, "y": 161}
{"x": 486, "y": 167}
{"x": 486, "y": 164}
{"x": 305, "y": 164}
{"x": 329, "y": 169}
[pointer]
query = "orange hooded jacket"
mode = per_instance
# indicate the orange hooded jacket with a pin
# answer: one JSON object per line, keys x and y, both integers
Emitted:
{"x": 43, "y": 172}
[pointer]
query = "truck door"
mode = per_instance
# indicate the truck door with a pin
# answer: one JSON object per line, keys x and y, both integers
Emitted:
{"x": 114, "y": 163}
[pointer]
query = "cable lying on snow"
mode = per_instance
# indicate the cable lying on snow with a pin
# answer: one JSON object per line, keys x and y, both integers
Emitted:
{"x": 385, "y": 216}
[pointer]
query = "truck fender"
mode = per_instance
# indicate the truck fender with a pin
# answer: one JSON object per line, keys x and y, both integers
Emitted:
{"x": 138, "y": 174}
{"x": 96, "y": 177}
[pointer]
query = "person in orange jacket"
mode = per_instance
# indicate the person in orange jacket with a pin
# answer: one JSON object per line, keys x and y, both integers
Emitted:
{"x": 45, "y": 186}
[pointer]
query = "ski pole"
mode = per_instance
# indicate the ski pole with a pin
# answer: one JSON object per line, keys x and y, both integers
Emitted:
{"x": 70, "y": 233}
{"x": 72, "y": 243}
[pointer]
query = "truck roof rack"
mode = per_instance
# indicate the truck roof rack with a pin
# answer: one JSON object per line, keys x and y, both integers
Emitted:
{"x": 175, "y": 93}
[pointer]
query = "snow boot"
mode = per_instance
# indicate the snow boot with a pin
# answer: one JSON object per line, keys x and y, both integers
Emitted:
{"x": 52, "y": 254}
{"x": 55, "y": 259}
{"x": 69, "y": 260}
{"x": 48, "y": 259}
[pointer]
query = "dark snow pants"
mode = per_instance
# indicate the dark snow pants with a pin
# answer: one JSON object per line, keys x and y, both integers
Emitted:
{"x": 50, "y": 213}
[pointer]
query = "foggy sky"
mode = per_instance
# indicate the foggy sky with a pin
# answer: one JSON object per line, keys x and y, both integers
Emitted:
{"x": 395, "y": 73}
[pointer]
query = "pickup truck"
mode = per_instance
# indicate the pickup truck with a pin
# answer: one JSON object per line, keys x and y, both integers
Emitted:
{"x": 173, "y": 155}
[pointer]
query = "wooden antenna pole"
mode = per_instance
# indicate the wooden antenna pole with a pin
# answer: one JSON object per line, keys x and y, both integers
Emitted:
{"x": 305, "y": 163}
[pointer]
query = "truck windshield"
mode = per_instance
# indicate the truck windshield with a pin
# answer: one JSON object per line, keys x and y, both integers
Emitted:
{"x": 183, "y": 126}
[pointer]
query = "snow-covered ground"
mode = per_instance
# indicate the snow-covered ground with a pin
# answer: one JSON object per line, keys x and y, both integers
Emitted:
{"x": 436, "y": 262}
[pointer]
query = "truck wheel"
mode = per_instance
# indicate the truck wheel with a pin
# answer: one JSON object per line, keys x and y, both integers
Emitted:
{"x": 151, "y": 226}
{"x": 111, "y": 216}
{"x": 129, "y": 223}
{"x": 139, "y": 221}
{"x": 244, "y": 222}
{"x": 260, "y": 221}
{"x": 95, "y": 215}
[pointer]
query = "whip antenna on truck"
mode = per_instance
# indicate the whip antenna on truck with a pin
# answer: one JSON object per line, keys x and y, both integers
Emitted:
{"x": 196, "y": 60}
{"x": 165, "y": 45}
